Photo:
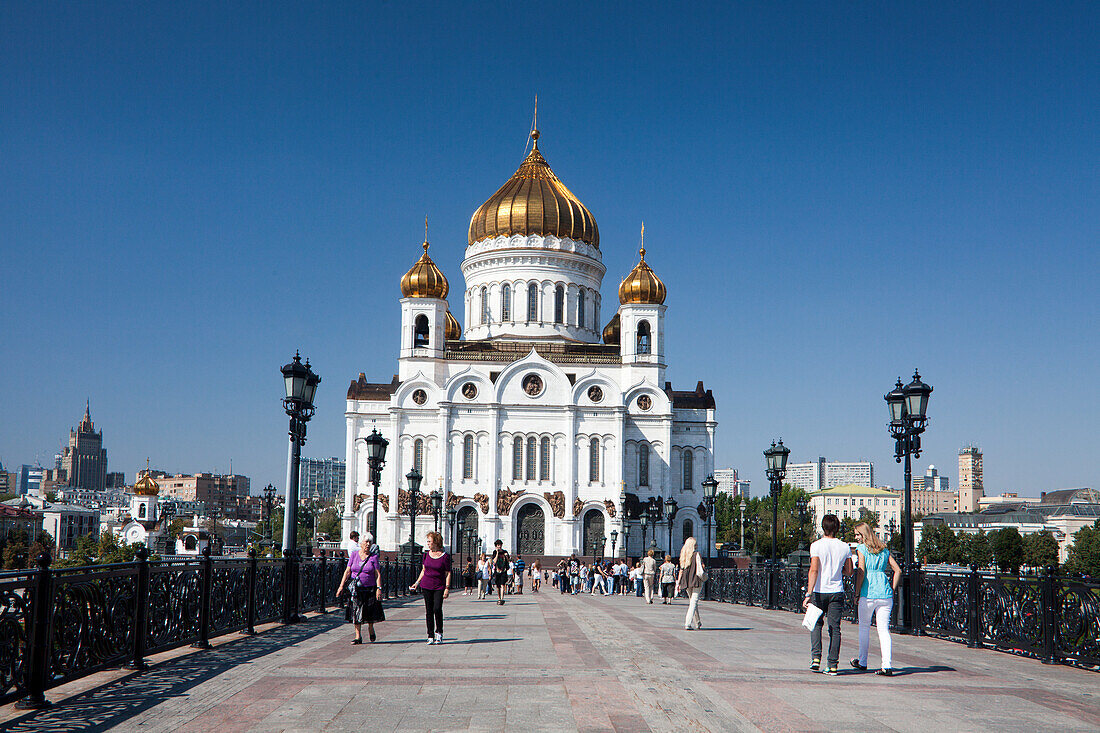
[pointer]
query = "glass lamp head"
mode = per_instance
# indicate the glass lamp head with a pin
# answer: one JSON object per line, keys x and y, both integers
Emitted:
{"x": 916, "y": 397}
{"x": 414, "y": 478}
{"x": 895, "y": 401}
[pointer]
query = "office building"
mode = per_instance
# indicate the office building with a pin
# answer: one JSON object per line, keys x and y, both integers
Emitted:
{"x": 322, "y": 478}
{"x": 730, "y": 483}
{"x": 932, "y": 481}
{"x": 225, "y": 495}
{"x": 821, "y": 474}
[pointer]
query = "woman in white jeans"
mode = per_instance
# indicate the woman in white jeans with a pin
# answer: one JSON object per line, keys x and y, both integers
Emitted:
{"x": 876, "y": 595}
{"x": 690, "y": 580}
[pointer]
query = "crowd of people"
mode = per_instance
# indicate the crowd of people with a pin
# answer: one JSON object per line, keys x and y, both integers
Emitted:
{"x": 499, "y": 574}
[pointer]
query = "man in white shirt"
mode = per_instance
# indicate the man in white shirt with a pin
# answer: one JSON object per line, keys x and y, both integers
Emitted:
{"x": 830, "y": 561}
{"x": 352, "y": 543}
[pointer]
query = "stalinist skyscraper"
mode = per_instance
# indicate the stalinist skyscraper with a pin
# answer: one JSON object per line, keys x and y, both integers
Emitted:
{"x": 85, "y": 460}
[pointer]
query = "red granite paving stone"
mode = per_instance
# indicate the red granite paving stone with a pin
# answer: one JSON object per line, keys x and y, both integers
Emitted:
{"x": 762, "y": 707}
{"x": 570, "y": 644}
{"x": 627, "y": 723}
{"x": 247, "y": 708}
{"x": 589, "y": 702}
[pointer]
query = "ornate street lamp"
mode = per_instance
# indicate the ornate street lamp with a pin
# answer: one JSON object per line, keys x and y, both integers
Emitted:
{"x": 908, "y": 407}
{"x": 670, "y": 517}
{"x": 643, "y": 519}
{"x": 414, "y": 478}
{"x": 269, "y": 499}
{"x": 776, "y": 460}
{"x": 710, "y": 488}
{"x": 654, "y": 511}
{"x": 376, "y": 459}
{"x": 626, "y": 539}
{"x": 614, "y": 539}
{"x": 437, "y": 507}
{"x": 802, "y": 516}
{"x": 600, "y": 543}
{"x": 452, "y": 517}
{"x": 301, "y": 385}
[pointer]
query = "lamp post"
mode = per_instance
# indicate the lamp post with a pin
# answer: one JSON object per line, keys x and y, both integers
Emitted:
{"x": 670, "y": 517}
{"x": 437, "y": 507}
{"x": 710, "y": 488}
{"x": 802, "y": 514}
{"x": 414, "y": 478}
{"x": 600, "y": 542}
{"x": 908, "y": 418}
{"x": 269, "y": 499}
{"x": 626, "y": 538}
{"x": 776, "y": 460}
{"x": 643, "y": 519}
{"x": 614, "y": 539}
{"x": 301, "y": 385}
{"x": 452, "y": 517}
{"x": 376, "y": 459}
{"x": 741, "y": 524}
{"x": 654, "y": 512}
{"x": 755, "y": 534}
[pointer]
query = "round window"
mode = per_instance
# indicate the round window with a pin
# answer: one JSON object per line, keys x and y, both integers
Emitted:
{"x": 645, "y": 402}
{"x": 595, "y": 393}
{"x": 532, "y": 385}
{"x": 420, "y": 397}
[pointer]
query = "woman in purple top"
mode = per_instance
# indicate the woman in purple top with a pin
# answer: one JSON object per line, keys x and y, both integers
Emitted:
{"x": 435, "y": 583}
{"x": 363, "y": 580}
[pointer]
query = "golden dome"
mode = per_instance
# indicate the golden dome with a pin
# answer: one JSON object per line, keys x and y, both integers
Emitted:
{"x": 146, "y": 486}
{"x": 612, "y": 330}
{"x": 534, "y": 201}
{"x": 453, "y": 331}
{"x": 424, "y": 280}
{"x": 642, "y": 285}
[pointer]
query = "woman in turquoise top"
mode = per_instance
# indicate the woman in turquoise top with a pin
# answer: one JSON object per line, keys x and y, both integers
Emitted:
{"x": 876, "y": 595}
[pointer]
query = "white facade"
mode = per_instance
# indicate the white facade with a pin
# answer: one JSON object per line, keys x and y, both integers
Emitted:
{"x": 821, "y": 474}
{"x": 528, "y": 424}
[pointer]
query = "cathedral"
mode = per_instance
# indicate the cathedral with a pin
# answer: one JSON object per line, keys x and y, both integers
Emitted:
{"x": 538, "y": 427}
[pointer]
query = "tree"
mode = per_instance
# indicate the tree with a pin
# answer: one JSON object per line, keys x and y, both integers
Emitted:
{"x": 937, "y": 544}
{"x": 974, "y": 549}
{"x": 868, "y": 516}
{"x": 328, "y": 523}
{"x": 1084, "y": 553}
{"x": 1040, "y": 549}
{"x": 1008, "y": 549}
{"x": 847, "y": 531}
{"x": 176, "y": 528}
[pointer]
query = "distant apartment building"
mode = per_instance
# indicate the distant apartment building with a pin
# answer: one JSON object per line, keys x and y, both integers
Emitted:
{"x": 116, "y": 480}
{"x": 226, "y": 495}
{"x": 729, "y": 483}
{"x": 84, "y": 460}
{"x": 821, "y": 474}
{"x": 929, "y": 501}
{"x": 323, "y": 478}
{"x": 932, "y": 481}
{"x": 846, "y": 501}
{"x": 971, "y": 486}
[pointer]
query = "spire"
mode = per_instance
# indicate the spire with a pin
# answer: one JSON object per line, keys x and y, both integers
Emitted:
{"x": 86, "y": 422}
{"x": 535, "y": 124}
{"x": 641, "y": 249}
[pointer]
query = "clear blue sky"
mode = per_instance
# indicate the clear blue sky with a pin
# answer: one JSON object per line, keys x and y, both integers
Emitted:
{"x": 189, "y": 192}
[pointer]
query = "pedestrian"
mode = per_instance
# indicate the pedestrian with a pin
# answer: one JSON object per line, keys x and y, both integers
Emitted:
{"x": 691, "y": 579}
{"x": 536, "y": 576}
{"x": 500, "y": 563}
{"x": 649, "y": 575}
{"x": 351, "y": 544}
{"x": 830, "y": 561}
{"x": 563, "y": 577}
{"x": 468, "y": 577}
{"x": 363, "y": 582}
{"x": 485, "y": 572}
{"x": 624, "y": 577}
{"x": 434, "y": 583}
{"x": 876, "y": 595}
{"x": 574, "y": 574}
{"x": 519, "y": 566}
{"x": 668, "y": 579}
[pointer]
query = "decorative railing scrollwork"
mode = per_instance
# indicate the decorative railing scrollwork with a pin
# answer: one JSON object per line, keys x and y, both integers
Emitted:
{"x": 309, "y": 576}
{"x": 92, "y": 624}
{"x": 945, "y": 604}
{"x": 175, "y": 604}
{"x": 229, "y": 596}
{"x": 1009, "y": 613}
{"x": 270, "y": 590}
{"x": 1077, "y": 608}
{"x": 16, "y": 614}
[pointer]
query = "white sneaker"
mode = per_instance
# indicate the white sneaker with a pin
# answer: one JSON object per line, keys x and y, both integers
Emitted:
{"x": 431, "y": 640}
{"x": 439, "y": 638}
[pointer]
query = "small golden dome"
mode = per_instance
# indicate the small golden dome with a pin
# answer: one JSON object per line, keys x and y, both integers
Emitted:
{"x": 534, "y": 201}
{"x": 146, "y": 486}
{"x": 612, "y": 330}
{"x": 453, "y": 331}
{"x": 642, "y": 285}
{"x": 424, "y": 280}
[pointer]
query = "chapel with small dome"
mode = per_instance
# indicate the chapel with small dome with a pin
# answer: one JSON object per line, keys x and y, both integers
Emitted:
{"x": 538, "y": 423}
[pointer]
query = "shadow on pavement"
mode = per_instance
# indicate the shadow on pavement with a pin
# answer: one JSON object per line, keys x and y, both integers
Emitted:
{"x": 902, "y": 671}
{"x": 112, "y": 704}
{"x": 475, "y": 618}
{"x": 479, "y": 641}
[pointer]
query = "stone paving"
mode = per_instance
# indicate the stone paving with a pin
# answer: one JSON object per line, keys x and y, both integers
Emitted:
{"x": 549, "y": 662}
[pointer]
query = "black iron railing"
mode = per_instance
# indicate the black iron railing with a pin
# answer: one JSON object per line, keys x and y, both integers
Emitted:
{"x": 1054, "y": 619}
{"x": 57, "y": 625}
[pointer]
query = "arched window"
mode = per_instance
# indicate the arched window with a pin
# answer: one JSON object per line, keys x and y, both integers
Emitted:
{"x": 643, "y": 337}
{"x": 517, "y": 459}
{"x": 688, "y": 460}
{"x": 506, "y": 302}
{"x": 418, "y": 456}
{"x": 468, "y": 457}
{"x": 141, "y": 511}
{"x": 643, "y": 465}
{"x": 544, "y": 459}
{"x": 596, "y": 318}
{"x": 580, "y": 309}
{"x": 594, "y": 460}
{"x": 420, "y": 331}
{"x": 532, "y": 302}
{"x": 689, "y": 529}
{"x": 531, "y": 459}
{"x": 484, "y": 306}
{"x": 559, "y": 304}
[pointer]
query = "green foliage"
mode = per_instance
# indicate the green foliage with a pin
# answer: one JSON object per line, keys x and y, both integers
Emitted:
{"x": 1084, "y": 553}
{"x": 866, "y": 515}
{"x": 328, "y": 523}
{"x": 938, "y": 544}
{"x": 974, "y": 549}
{"x": 176, "y": 528}
{"x": 1008, "y": 549}
{"x": 896, "y": 545}
{"x": 1040, "y": 549}
{"x": 8, "y": 497}
{"x": 92, "y": 550}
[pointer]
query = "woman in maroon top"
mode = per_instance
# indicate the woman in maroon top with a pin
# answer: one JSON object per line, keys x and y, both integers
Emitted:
{"x": 435, "y": 583}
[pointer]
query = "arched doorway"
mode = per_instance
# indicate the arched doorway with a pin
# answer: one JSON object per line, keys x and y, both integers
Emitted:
{"x": 593, "y": 532}
{"x": 530, "y": 530}
{"x": 466, "y": 527}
